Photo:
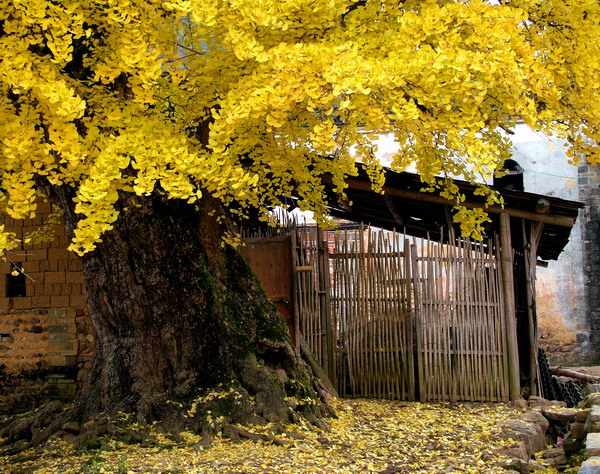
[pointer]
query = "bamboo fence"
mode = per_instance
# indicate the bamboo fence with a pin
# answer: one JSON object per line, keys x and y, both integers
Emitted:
{"x": 386, "y": 316}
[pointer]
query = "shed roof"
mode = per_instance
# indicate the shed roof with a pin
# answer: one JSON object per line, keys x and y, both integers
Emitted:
{"x": 403, "y": 206}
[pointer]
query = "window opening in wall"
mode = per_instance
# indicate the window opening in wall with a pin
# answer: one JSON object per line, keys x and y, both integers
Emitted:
{"x": 15, "y": 282}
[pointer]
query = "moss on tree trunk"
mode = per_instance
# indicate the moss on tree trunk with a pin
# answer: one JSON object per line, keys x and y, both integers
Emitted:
{"x": 185, "y": 336}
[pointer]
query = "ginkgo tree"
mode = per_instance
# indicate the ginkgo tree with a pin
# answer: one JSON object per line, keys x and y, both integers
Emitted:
{"x": 150, "y": 124}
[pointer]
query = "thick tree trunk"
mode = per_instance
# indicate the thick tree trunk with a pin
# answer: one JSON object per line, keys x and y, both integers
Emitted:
{"x": 184, "y": 333}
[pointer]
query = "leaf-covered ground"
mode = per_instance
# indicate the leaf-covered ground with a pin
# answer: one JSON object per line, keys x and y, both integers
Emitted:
{"x": 368, "y": 436}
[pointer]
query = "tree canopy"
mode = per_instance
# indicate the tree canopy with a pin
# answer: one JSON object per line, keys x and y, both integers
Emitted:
{"x": 251, "y": 100}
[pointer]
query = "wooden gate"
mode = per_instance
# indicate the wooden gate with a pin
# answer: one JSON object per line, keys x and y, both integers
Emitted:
{"x": 410, "y": 319}
{"x": 371, "y": 303}
{"x": 271, "y": 259}
{"x": 459, "y": 322}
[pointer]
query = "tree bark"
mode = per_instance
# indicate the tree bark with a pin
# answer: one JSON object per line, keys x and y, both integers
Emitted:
{"x": 184, "y": 334}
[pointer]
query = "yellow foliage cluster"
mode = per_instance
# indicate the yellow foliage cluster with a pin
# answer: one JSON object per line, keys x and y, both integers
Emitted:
{"x": 248, "y": 100}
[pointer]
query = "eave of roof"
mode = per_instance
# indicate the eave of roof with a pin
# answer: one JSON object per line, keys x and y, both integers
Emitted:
{"x": 403, "y": 206}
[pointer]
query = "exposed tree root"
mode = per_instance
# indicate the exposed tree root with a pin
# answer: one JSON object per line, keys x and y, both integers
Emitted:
{"x": 262, "y": 396}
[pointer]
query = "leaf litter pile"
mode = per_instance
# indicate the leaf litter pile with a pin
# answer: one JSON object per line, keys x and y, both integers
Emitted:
{"x": 367, "y": 436}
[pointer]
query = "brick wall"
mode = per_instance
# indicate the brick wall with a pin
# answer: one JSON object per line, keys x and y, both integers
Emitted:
{"x": 43, "y": 325}
{"x": 23, "y": 340}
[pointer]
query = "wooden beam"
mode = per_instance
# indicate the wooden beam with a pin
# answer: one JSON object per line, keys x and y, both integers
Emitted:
{"x": 393, "y": 211}
{"x": 562, "y": 221}
{"x": 507, "y": 265}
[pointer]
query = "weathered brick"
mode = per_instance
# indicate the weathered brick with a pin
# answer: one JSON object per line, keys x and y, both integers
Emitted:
{"x": 59, "y": 301}
{"x": 57, "y": 254}
{"x": 36, "y": 254}
{"x": 77, "y": 301}
{"x": 41, "y": 302}
{"x": 55, "y": 277}
{"x": 74, "y": 277}
{"x": 74, "y": 265}
{"x": 22, "y": 302}
{"x": 32, "y": 267}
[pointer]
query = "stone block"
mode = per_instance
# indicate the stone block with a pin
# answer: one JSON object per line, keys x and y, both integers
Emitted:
{"x": 590, "y": 466}
{"x": 520, "y": 403}
{"x": 582, "y": 415}
{"x": 57, "y": 315}
{"x": 578, "y": 430}
{"x": 555, "y": 457}
{"x": 533, "y": 416}
{"x": 530, "y": 434}
{"x": 539, "y": 402}
{"x": 62, "y": 361}
{"x": 62, "y": 347}
{"x": 593, "y": 388}
{"x": 559, "y": 413}
{"x": 594, "y": 415}
{"x": 591, "y": 400}
{"x": 60, "y": 329}
{"x": 592, "y": 445}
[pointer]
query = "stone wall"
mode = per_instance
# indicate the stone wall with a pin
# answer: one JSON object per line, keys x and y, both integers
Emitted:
{"x": 589, "y": 194}
{"x": 561, "y": 310}
{"x": 43, "y": 324}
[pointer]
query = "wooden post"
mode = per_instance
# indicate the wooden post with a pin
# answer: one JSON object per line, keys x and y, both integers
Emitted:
{"x": 416, "y": 281}
{"x": 530, "y": 246}
{"x": 295, "y": 289}
{"x": 506, "y": 254}
{"x": 325, "y": 307}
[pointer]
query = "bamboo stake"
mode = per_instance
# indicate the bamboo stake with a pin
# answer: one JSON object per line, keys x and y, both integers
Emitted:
{"x": 408, "y": 319}
{"x": 417, "y": 321}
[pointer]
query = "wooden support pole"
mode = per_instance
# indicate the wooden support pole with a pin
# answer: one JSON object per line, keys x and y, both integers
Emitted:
{"x": 531, "y": 240}
{"x": 506, "y": 255}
